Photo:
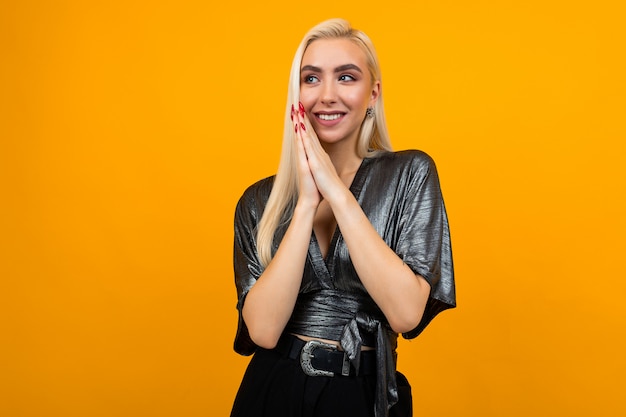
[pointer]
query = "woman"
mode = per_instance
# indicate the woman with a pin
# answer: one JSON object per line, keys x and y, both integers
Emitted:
{"x": 345, "y": 248}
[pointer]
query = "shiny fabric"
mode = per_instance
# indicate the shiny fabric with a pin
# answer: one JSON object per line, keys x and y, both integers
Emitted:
{"x": 400, "y": 194}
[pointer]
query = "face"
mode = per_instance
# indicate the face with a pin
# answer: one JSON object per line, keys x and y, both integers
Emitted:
{"x": 336, "y": 89}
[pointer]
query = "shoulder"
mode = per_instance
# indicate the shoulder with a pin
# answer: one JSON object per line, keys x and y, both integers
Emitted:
{"x": 260, "y": 188}
{"x": 409, "y": 161}
{"x": 256, "y": 195}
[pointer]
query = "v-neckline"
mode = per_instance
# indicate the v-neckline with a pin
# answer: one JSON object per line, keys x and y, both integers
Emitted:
{"x": 324, "y": 265}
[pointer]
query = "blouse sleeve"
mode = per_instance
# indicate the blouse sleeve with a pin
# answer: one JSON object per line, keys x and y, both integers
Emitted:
{"x": 424, "y": 239}
{"x": 247, "y": 265}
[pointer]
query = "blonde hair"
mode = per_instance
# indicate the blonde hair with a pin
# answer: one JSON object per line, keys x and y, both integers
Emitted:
{"x": 373, "y": 136}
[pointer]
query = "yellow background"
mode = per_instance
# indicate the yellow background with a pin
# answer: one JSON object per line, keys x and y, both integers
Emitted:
{"x": 128, "y": 130}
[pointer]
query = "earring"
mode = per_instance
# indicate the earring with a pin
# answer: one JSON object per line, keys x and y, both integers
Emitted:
{"x": 369, "y": 112}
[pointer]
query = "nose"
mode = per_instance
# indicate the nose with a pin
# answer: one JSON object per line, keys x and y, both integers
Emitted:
{"x": 328, "y": 93}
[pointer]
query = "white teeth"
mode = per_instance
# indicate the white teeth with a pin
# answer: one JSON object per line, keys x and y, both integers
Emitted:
{"x": 329, "y": 116}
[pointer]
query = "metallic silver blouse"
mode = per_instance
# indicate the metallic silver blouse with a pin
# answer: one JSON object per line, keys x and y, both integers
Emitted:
{"x": 400, "y": 194}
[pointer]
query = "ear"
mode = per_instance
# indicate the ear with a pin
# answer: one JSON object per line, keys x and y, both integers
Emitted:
{"x": 375, "y": 93}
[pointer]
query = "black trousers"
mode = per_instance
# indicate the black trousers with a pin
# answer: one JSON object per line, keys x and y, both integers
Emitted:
{"x": 275, "y": 386}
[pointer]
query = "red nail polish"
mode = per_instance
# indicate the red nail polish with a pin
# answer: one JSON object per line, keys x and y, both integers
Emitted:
{"x": 302, "y": 126}
{"x": 293, "y": 111}
{"x": 301, "y": 107}
{"x": 296, "y": 128}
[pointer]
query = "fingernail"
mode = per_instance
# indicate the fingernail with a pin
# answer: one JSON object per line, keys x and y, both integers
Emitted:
{"x": 301, "y": 107}
{"x": 302, "y": 126}
{"x": 293, "y": 111}
{"x": 296, "y": 128}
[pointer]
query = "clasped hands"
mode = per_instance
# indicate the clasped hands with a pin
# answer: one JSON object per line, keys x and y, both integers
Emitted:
{"x": 318, "y": 178}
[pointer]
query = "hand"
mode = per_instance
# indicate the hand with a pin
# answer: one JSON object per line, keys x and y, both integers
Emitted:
{"x": 318, "y": 163}
{"x": 308, "y": 192}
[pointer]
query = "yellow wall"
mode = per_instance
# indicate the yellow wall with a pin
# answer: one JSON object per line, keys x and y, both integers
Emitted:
{"x": 128, "y": 131}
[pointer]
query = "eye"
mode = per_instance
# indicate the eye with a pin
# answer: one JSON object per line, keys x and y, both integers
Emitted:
{"x": 309, "y": 79}
{"x": 346, "y": 77}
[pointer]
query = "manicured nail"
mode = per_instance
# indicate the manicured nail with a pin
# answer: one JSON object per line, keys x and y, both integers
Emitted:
{"x": 302, "y": 126}
{"x": 296, "y": 128}
{"x": 293, "y": 111}
{"x": 301, "y": 107}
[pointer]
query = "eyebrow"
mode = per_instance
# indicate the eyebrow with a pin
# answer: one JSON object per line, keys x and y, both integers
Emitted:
{"x": 338, "y": 69}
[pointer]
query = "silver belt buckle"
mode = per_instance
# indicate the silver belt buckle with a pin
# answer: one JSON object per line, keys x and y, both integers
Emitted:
{"x": 307, "y": 354}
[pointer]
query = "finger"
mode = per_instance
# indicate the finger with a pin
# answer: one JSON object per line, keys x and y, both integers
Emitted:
{"x": 314, "y": 152}
{"x": 305, "y": 131}
{"x": 299, "y": 120}
{"x": 311, "y": 142}
{"x": 301, "y": 137}
{"x": 308, "y": 186}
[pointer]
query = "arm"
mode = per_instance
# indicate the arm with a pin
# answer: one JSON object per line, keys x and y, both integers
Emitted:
{"x": 397, "y": 290}
{"x": 270, "y": 302}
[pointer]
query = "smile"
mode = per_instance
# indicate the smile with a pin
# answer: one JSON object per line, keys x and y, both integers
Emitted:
{"x": 329, "y": 117}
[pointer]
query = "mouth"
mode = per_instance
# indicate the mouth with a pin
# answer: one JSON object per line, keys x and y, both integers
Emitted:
{"x": 329, "y": 117}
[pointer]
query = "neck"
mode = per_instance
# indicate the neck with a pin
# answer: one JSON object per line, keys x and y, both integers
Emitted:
{"x": 344, "y": 157}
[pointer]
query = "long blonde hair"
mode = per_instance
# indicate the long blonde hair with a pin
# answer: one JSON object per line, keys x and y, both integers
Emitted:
{"x": 373, "y": 136}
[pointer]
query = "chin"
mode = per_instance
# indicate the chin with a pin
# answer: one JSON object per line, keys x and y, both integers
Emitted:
{"x": 331, "y": 137}
{"x": 329, "y": 141}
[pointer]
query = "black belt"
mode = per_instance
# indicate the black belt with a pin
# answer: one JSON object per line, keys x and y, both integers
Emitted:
{"x": 322, "y": 359}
